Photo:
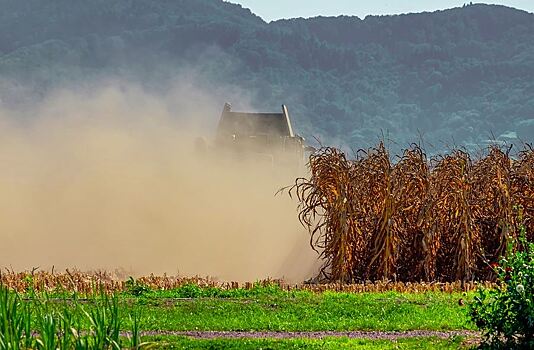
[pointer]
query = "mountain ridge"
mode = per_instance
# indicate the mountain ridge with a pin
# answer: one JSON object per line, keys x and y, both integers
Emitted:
{"x": 461, "y": 72}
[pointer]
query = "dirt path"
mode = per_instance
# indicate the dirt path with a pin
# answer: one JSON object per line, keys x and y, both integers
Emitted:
{"x": 312, "y": 335}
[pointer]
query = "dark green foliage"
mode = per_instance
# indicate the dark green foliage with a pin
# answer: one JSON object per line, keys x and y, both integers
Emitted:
{"x": 135, "y": 288}
{"x": 506, "y": 314}
{"x": 193, "y": 291}
{"x": 457, "y": 76}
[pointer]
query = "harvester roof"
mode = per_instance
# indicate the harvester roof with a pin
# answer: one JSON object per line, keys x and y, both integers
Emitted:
{"x": 252, "y": 124}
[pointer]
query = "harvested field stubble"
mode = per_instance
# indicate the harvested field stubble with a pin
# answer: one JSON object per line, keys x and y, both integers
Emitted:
{"x": 89, "y": 283}
{"x": 415, "y": 219}
{"x": 93, "y": 282}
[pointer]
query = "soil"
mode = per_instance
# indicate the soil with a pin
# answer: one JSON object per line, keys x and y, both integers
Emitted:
{"x": 372, "y": 335}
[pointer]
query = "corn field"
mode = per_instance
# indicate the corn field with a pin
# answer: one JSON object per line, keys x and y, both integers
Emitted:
{"x": 447, "y": 218}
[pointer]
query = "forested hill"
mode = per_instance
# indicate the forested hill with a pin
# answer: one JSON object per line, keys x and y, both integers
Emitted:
{"x": 458, "y": 75}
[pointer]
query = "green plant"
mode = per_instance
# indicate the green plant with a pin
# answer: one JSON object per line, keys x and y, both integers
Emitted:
{"x": 506, "y": 314}
{"x": 48, "y": 327}
{"x": 135, "y": 337}
{"x": 41, "y": 322}
{"x": 105, "y": 322}
{"x": 11, "y": 320}
{"x": 134, "y": 340}
{"x": 135, "y": 288}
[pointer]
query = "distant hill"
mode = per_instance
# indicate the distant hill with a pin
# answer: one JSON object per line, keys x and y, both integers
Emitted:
{"x": 458, "y": 75}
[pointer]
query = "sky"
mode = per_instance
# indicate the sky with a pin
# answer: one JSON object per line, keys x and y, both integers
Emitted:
{"x": 276, "y": 9}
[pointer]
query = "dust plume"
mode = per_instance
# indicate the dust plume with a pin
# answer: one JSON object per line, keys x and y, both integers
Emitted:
{"x": 108, "y": 178}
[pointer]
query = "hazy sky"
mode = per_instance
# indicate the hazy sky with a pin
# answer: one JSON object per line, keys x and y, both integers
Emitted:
{"x": 276, "y": 9}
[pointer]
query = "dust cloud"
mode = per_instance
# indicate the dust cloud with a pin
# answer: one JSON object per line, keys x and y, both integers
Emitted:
{"x": 108, "y": 178}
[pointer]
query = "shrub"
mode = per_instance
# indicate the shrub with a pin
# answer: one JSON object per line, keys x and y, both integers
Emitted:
{"x": 136, "y": 288}
{"x": 506, "y": 314}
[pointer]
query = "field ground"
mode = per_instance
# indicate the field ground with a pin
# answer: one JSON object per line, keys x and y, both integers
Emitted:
{"x": 270, "y": 309}
{"x": 282, "y": 317}
{"x": 268, "y": 317}
{"x": 327, "y": 343}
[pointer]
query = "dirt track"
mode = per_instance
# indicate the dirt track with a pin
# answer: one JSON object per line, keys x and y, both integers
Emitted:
{"x": 311, "y": 335}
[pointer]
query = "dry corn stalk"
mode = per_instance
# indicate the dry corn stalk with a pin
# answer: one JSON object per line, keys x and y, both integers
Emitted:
{"x": 523, "y": 187}
{"x": 412, "y": 219}
{"x": 326, "y": 211}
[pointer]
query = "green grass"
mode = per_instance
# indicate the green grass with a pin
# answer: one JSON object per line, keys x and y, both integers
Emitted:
{"x": 276, "y": 310}
{"x": 272, "y": 309}
{"x": 327, "y": 343}
{"x": 99, "y": 317}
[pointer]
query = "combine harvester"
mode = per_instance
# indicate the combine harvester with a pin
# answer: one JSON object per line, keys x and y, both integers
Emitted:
{"x": 257, "y": 138}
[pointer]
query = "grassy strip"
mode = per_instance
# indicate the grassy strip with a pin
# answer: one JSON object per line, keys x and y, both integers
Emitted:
{"x": 165, "y": 342}
{"x": 94, "y": 321}
{"x": 277, "y": 310}
{"x": 269, "y": 308}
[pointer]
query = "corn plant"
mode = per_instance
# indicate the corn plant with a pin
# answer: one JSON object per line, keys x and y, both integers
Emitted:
{"x": 444, "y": 219}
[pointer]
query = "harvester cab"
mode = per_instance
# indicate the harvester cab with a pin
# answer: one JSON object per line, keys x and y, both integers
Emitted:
{"x": 266, "y": 138}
